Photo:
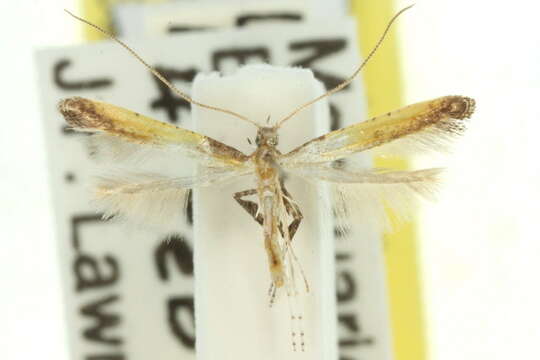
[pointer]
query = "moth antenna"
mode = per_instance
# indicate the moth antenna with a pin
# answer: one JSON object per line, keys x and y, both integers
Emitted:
{"x": 295, "y": 259}
{"x": 350, "y": 78}
{"x": 294, "y": 330}
{"x": 296, "y": 313}
{"x": 158, "y": 75}
{"x": 272, "y": 294}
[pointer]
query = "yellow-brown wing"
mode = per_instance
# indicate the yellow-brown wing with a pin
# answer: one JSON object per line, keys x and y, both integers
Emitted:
{"x": 94, "y": 116}
{"x": 141, "y": 176}
{"x": 426, "y": 123}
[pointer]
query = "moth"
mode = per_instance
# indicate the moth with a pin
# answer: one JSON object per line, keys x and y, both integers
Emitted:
{"x": 428, "y": 125}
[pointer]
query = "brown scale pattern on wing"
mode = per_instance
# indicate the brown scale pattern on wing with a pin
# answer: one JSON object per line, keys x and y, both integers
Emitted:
{"x": 86, "y": 115}
{"x": 222, "y": 150}
{"x": 459, "y": 107}
{"x": 94, "y": 116}
{"x": 440, "y": 118}
{"x": 81, "y": 113}
{"x": 444, "y": 113}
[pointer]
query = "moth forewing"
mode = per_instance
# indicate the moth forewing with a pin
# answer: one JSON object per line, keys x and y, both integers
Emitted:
{"x": 95, "y": 116}
{"x": 428, "y": 124}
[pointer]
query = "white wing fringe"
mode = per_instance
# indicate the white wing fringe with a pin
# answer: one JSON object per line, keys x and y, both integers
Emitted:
{"x": 152, "y": 199}
{"x": 437, "y": 138}
{"x": 365, "y": 195}
{"x": 143, "y": 199}
{"x": 368, "y": 201}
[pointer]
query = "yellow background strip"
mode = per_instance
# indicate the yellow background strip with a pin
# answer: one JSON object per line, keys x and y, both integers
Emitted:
{"x": 98, "y": 12}
{"x": 384, "y": 92}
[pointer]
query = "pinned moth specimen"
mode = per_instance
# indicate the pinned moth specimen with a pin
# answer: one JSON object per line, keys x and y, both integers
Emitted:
{"x": 428, "y": 124}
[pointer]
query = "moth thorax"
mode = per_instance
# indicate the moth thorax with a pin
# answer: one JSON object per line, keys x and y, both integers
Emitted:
{"x": 267, "y": 136}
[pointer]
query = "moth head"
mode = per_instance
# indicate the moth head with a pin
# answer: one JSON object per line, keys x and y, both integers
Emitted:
{"x": 267, "y": 136}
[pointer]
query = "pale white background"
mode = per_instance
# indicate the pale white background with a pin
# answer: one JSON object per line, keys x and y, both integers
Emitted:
{"x": 480, "y": 246}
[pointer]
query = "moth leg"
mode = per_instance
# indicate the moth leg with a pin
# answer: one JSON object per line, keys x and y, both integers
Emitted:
{"x": 292, "y": 209}
{"x": 251, "y": 207}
